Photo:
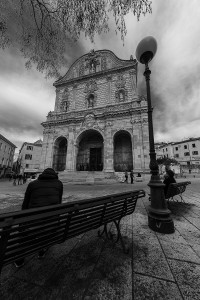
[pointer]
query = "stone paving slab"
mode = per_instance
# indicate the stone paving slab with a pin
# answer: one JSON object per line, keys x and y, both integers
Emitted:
{"x": 158, "y": 266}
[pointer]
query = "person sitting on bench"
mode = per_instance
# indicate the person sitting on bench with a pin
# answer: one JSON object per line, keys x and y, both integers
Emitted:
{"x": 46, "y": 190}
{"x": 169, "y": 178}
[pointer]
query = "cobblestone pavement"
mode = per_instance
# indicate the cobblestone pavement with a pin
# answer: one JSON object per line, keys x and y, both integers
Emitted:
{"x": 158, "y": 266}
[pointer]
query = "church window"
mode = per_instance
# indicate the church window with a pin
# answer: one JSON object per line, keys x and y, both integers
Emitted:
{"x": 29, "y": 148}
{"x": 28, "y": 156}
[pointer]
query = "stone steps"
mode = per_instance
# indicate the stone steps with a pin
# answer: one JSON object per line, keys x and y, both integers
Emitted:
{"x": 87, "y": 177}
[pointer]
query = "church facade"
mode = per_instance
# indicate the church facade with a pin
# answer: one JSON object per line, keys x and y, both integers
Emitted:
{"x": 99, "y": 123}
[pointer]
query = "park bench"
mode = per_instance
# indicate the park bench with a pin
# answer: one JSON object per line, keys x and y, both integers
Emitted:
{"x": 176, "y": 189}
{"x": 25, "y": 232}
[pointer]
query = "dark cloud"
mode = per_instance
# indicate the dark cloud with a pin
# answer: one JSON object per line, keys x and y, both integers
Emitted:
{"x": 175, "y": 77}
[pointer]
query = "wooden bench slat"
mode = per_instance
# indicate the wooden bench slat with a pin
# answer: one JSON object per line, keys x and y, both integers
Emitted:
{"x": 32, "y": 250}
{"x": 39, "y": 242}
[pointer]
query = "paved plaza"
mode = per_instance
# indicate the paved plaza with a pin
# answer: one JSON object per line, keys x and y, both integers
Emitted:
{"x": 158, "y": 266}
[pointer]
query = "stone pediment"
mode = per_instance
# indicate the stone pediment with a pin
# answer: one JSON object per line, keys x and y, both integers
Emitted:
{"x": 95, "y": 62}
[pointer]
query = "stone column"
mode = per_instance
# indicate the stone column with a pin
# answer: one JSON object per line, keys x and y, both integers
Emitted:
{"x": 47, "y": 149}
{"x": 74, "y": 96}
{"x": 70, "y": 160}
{"x": 132, "y": 74}
{"x": 108, "y": 150}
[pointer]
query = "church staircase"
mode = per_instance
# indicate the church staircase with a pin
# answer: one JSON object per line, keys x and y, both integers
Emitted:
{"x": 87, "y": 177}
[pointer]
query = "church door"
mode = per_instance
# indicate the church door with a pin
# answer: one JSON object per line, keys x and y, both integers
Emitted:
{"x": 90, "y": 151}
{"x": 95, "y": 159}
{"x": 123, "y": 159}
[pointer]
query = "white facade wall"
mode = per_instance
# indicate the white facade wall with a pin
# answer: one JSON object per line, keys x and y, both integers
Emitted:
{"x": 7, "y": 150}
{"x": 186, "y": 152}
{"x": 29, "y": 156}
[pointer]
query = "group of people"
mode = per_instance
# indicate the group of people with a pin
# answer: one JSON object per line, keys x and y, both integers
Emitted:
{"x": 18, "y": 178}
{"x": 131, "y": 176}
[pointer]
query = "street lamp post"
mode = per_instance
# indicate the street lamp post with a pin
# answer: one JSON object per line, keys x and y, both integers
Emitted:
{"x": 159, "y": 218}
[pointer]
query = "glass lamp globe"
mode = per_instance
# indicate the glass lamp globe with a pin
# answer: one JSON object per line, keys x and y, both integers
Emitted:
{"x": 146, "y": 49}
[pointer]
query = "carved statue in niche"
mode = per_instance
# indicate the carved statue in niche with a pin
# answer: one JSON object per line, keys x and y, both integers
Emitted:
{"x": 65, "y": 106}
{"x": 90, "y": 101}
{"x": 121, "y": 95}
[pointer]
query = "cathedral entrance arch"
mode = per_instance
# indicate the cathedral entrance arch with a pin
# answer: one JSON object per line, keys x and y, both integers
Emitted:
{"x": 60, "y": 154}
{"x": 90, "y": 151}
{"x": 123, "y": 158}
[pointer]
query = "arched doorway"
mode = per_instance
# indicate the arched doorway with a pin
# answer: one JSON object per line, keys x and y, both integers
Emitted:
{"x": 60, "y": 154}
{"x": 90, "y": 151}
{"x": 123, "y": 158}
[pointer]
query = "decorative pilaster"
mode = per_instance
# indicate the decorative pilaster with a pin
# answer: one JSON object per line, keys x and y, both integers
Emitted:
{"x": 109, "y": 80}
{"x": 132, "y": 74}
{"x": 108, "y": 149}
{"x": 70, "y": 161}
{"x": 74, "y": 95}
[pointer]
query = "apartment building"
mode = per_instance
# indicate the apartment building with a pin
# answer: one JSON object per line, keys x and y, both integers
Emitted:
{"x": 7, "y": 150}
{"x": 186, "y": 152}
{"x": 29, "y": 157}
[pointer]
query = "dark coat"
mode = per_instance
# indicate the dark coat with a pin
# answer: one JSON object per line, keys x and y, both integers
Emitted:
{"x": 168, "y": 179}
{"x": 46, "y": 190}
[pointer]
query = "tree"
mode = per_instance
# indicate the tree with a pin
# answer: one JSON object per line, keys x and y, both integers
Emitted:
{"x": 166, "y": 161}
{"x": 41, "y": 28}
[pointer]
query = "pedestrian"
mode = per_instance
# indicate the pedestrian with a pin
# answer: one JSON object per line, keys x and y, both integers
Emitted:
{"x": 19, "y": 179}
{"x": 44, "y": 191}
{"x": 126, "y": 176}
{"x": 24, "y": 178}
{"x": 14, "y": 178}
{"x": 169, "y": 178}
{"x": 131, "y": 176}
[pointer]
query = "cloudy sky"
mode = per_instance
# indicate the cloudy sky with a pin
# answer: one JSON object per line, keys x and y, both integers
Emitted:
{"x": 26, "y": 96}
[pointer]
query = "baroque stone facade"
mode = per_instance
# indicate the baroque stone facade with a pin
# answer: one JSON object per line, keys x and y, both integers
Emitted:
{"x": 99, "y": 123}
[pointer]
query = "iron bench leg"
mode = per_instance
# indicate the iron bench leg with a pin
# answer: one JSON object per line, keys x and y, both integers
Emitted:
{"x": 104, "y": 231}
{"x": 119, "y": 236}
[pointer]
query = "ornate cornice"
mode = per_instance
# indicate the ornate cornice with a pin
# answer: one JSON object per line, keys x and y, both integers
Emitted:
{"x": 73, "y": 117}
{"x": 95, "y": 75}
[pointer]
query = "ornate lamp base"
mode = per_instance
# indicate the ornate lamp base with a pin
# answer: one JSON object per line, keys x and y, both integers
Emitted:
{"x": 159, "y": 218}
{"x": 159, "y": 224}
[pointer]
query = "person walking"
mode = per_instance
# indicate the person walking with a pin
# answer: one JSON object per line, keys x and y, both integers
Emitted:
{"x": 44, "y": 191}
{"x": 131, "y": 176}
{"x": 19, "y": 179}
{"x": 14, "y": 178}
{"x": 126, "y": 176}
{"x": 24, "y": 178}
